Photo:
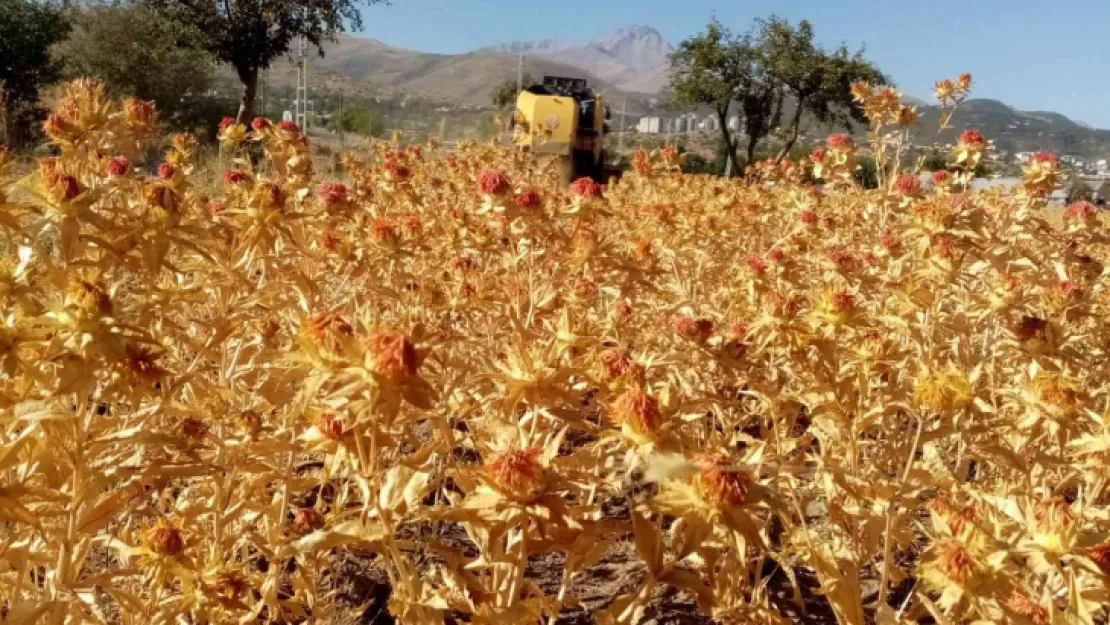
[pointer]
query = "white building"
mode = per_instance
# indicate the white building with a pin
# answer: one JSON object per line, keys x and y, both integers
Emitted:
{"x": 650, "y": 125}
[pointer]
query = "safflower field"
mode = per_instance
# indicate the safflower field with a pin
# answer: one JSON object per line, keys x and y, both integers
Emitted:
{"x": 748, "y": 401}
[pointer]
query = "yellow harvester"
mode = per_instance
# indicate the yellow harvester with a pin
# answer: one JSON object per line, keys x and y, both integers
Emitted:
{"x": 563, "y": 117}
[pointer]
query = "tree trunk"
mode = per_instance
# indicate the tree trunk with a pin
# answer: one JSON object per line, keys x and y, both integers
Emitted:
{"x": 726, "y": 134}
{"x": 795, "y": 125}
{"x": 249, "y": 77}
{"x": 753, "y": 141}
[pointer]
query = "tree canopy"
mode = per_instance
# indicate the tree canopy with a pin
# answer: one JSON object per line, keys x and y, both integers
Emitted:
{"x": 504, "y": 93}
{"x": 138, "y": 52}
{"x": 250, "y": 34}
{"x": 774, "y": 68}
{"x": 28, "y": 29}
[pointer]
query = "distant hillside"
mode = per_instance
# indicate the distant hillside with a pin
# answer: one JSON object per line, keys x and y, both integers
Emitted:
{"x": 1017, "y": 131}
{"x": 632, "y": 59}
{"x": 368, "y": 66}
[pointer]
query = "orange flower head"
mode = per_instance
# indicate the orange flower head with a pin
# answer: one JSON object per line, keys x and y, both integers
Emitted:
{"x": 393, "y": 356}
{"x": 517, "y": 471}
{"x": 229, "y": 587}
{"x": 193, "y": 428}
{"x": 1100, "y": 555}
{"x": 722, "y": 484}
{"x": 306, "y": 520}
{"x": 138, "y": 112}
{"x": 165, "y": 539}
{"x": 616, "y": 361}
{"x": 1024, "y": 605}
{"x": 955, "y": 562}
{"x": 638, "y": 411}
{"x": 383, "y": 232}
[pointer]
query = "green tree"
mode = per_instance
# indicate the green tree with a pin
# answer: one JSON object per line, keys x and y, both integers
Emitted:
{"x": 867, "y": 172}
{"x": 817, "y": 81}
{"x": 250, "y": 34}
{"x": 362, "y": 121}
{"x": 28, "y": 29}
{"x": 1078, "y": 191}
{"x": 716, "y": 68}
{"x": 504, "y": 93}
{"x": 137, "y": 52}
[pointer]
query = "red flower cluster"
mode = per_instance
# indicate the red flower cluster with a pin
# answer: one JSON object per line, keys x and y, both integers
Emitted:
{"x": 1046, "y": 158}
{"x": 907, "y": 184}
{"x": 528, "y": 198}
{"x": 234, "y": 176}
{"x": 166, "y": 171}
{"x": 332, "y": 193}
{"x": 397, "y": 170}
{"x": 890, "y": 241}
{"x": 1080, "y": 211}
{"x": 585, "y": 188}
{"x": 493, "y": 182}
{"x": 818, "y": 154}
{"x": 839, "y": 141}
{"x": 118, "y": 166}
{"x": 972, "y": 137}
{"x": 226, "y": 123}
{"x": 289, "y": 126}
{"x": 694, "y": 329}
{"x": 809, "y": 218}
{"x": 260, "y": 123}
{"x": 757, "y": 265}
{"x": 940, "y": 176}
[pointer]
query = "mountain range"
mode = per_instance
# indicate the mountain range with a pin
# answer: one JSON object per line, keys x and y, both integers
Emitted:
{"x": 633, "y": 59}
{"x": 630, "y": 67}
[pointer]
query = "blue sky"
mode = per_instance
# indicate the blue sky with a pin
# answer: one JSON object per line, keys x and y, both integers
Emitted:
{"x": 1034, "y": 55}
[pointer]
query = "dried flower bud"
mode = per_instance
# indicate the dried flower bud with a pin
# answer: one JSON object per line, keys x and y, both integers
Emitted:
{"x": 393, "y": 356}
{"x": 307, "y": 520}
{"x": 165, "y": 540}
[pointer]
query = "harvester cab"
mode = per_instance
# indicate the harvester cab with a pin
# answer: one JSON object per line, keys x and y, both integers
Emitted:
{"x": 565, "y": 118}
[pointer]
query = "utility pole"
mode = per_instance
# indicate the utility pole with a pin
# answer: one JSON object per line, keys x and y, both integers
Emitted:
{"x": 520, "y": 73}
{"x": 301, "y": 113}
{"x": 620, "y": 136}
